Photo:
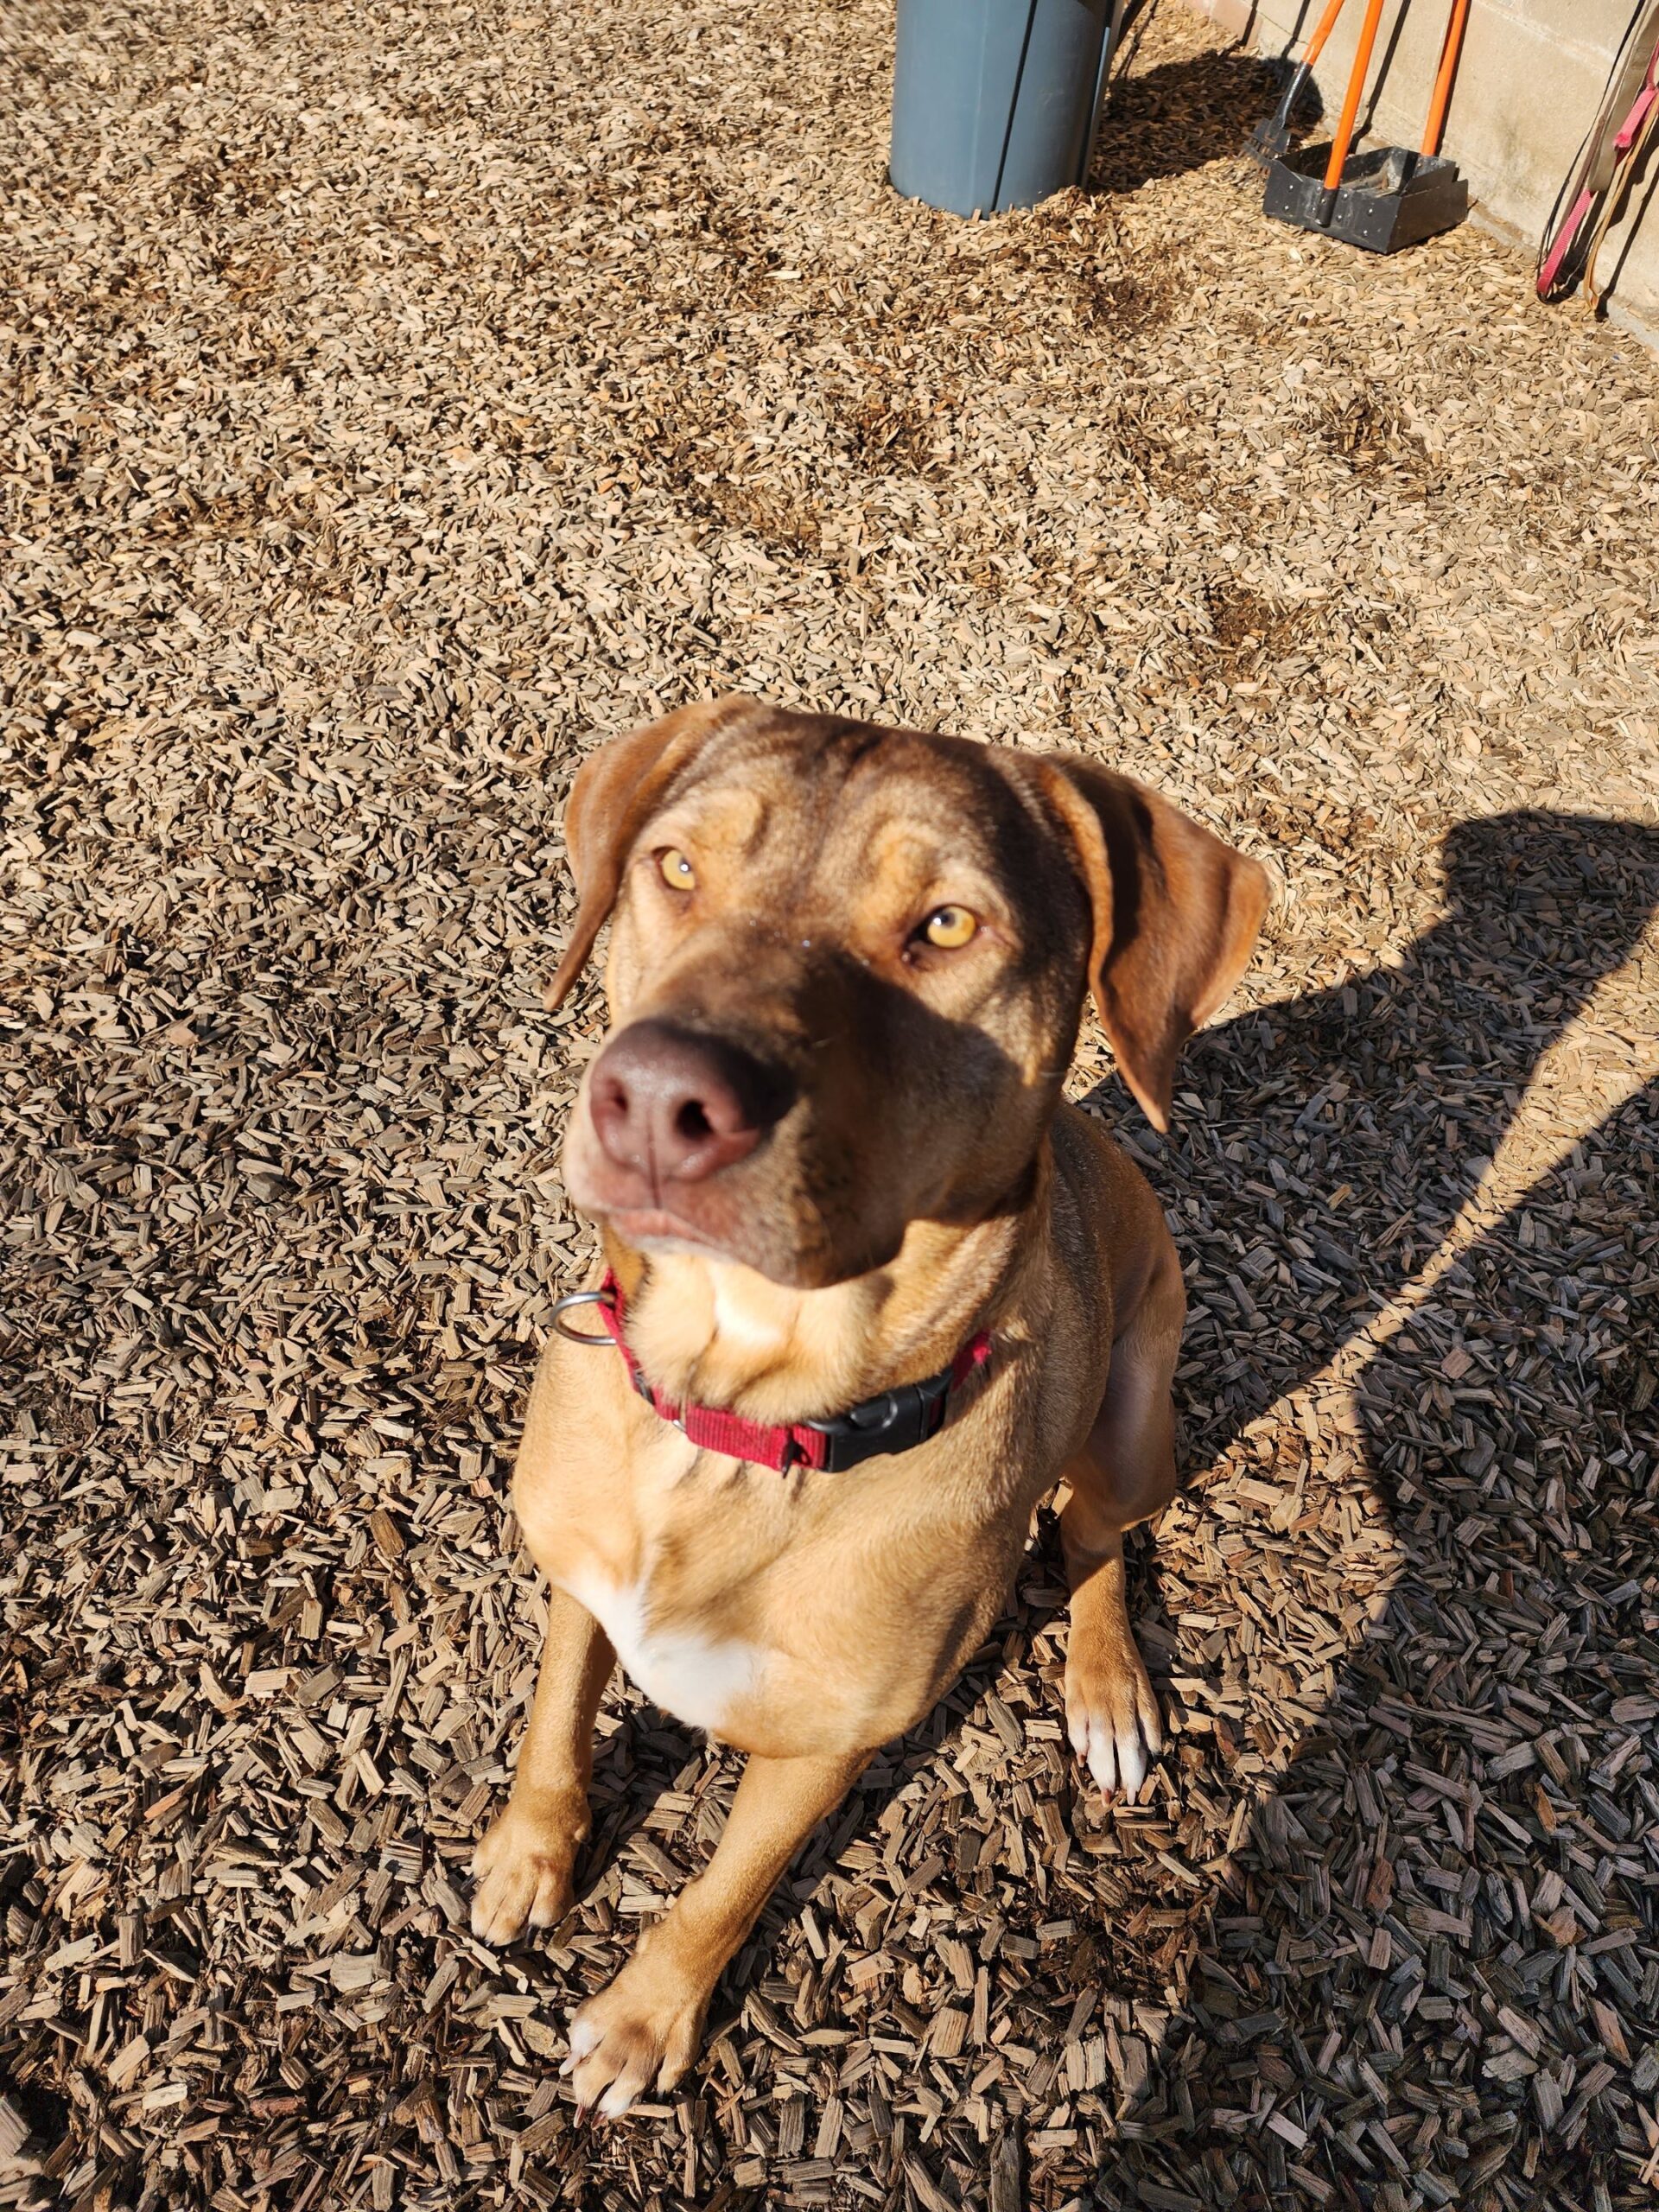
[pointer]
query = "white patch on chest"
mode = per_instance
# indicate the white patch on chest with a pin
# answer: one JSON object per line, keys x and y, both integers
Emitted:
{"x": 697, "y": 1678}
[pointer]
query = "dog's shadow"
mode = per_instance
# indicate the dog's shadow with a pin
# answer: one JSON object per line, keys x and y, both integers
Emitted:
{"x": 1385, "y": 1900}
{"x": 1331, "y": 1144}
{"x": 1336, "y": 1139}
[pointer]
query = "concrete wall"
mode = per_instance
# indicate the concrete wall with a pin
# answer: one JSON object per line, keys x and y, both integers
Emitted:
{"x": 1532, "y": 76}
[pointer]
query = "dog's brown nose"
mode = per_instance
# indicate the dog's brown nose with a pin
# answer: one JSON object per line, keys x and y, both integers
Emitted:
{"x": 677, "y": 1106}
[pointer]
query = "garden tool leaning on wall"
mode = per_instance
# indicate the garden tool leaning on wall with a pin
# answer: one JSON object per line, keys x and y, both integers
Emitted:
{"x": 1270, "y": 139}
{"x": 1606, "y": 169}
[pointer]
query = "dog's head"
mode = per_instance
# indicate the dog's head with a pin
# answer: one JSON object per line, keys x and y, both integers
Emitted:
{"x": 847, "y": 968}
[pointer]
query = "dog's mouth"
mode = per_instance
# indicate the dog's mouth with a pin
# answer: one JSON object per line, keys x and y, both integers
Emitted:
{"x": 744, "y": 1213}
{"x": 656, "y": 1229}
{"x": 653, "y": 1211}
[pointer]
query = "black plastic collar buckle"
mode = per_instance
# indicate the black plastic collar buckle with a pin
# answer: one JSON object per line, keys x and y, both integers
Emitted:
{"x": 895, "y": 1422}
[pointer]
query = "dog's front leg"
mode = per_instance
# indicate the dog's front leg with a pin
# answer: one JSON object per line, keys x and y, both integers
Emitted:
{"x": 521, "y": 1868}
{"x": 1124, "y": 1474}
{"x": 1111, "y": 1708}
{"x": 646, "y": 2026}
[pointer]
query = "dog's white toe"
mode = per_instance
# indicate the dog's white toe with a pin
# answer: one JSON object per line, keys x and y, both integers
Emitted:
{"x": 1113, "y": 1720}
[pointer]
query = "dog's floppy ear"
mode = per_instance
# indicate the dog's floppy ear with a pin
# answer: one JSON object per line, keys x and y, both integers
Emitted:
{"x": 617, "y": 789}
{"x": 1175, "y": 917}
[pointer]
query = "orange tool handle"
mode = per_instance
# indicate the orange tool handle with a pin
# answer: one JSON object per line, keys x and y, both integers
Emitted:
{"x": 1327, "y": 23}
{"x": 1437, "y": 106}
{"x": 1344, "y": 137}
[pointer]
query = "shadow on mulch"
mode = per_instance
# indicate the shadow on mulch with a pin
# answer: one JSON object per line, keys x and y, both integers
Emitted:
{"x": 1401, "y": 1084}
{"x": 1180, "y": 116}
{"x": 1379, "y": 1106}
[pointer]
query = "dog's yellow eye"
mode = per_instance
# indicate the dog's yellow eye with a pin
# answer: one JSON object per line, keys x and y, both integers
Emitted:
{"x": 950, "y": 927}
{"x": 676, "y": 870}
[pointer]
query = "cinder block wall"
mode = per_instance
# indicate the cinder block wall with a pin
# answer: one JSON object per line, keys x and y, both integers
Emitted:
{"x": 1532, "y": 75}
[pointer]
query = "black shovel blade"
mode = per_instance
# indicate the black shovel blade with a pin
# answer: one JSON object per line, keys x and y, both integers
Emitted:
{"x": 1267, "y": 142}
{"x": 1273, "y": 136}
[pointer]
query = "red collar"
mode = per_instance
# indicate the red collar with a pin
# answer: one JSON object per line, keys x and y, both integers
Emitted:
{"x": 894, "y": 1421}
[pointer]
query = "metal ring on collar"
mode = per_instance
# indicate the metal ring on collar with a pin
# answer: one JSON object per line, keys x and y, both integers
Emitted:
{"x": 561, "y": 1306}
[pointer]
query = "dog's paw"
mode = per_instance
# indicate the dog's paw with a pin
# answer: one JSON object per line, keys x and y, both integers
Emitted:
{"x": 643, "y": 2030}
{"x": 521, "y": 1870}
{"x": 1111, "y": 1712}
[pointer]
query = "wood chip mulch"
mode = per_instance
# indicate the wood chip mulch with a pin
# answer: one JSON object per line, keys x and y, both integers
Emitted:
{"x": 395, "y": 399}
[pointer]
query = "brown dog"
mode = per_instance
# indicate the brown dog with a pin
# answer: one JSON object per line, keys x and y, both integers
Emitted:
{"x": 825, "y": 1142}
